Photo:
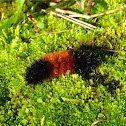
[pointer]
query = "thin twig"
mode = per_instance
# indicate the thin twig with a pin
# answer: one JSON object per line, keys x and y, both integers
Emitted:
{"x": 115, "y": 51}
{"x": 54, "y": 32}
{"x": 124, "y": 17}
{"x": 89, "y": 6}
{"x": 96, "y": 15}
{"x": 108, "y": 12}
{"x": 97, "y": 121}
{"x": 75, "y": 14}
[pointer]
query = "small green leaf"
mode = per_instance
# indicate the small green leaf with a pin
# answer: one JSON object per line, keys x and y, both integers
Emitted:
{"x": 40, "y": 25}
{"x": 39, "y": 100}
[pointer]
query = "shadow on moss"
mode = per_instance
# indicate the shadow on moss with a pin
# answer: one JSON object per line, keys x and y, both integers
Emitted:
{"x": 111, "y": 83}
{"x": 4, "y": 94}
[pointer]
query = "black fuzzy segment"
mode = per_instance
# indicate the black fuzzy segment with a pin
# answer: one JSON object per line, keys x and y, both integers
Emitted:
{"x": 37, "y": 72}
{"x": 85, "y": 61}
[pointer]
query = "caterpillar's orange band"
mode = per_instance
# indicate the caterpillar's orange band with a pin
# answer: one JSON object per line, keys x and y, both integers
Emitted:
{"x": 60, "y": 63}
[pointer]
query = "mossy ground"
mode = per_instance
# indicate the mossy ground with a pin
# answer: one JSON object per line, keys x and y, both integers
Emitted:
{"x": 70, "y": 99}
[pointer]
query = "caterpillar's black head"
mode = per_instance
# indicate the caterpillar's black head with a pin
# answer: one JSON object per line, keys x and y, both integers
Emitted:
{"x": 37, "y": 72}
{"x": 85, "y": 61}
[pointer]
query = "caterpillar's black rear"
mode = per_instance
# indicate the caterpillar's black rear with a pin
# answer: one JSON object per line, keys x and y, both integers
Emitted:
{"x": 85, "y": 61}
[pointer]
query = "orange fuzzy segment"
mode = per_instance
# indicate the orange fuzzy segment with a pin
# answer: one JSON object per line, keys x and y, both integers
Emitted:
{"x": 60, "y": 63}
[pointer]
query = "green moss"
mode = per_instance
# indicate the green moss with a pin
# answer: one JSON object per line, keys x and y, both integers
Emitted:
{"x": 70, "y": 99}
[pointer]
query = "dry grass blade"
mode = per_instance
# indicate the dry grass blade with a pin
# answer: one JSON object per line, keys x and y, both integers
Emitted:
{"x": 72, "y": 14}
{"x": 76, "y": 21}
{"x": 82, "y": 5}
{"x": 100, "y": 120}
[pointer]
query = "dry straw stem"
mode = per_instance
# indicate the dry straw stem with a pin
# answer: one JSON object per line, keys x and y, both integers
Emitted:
{"x": 74, "y": 20}
{"x": 100, "y": 120}
{"x": 75, "y": 14}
